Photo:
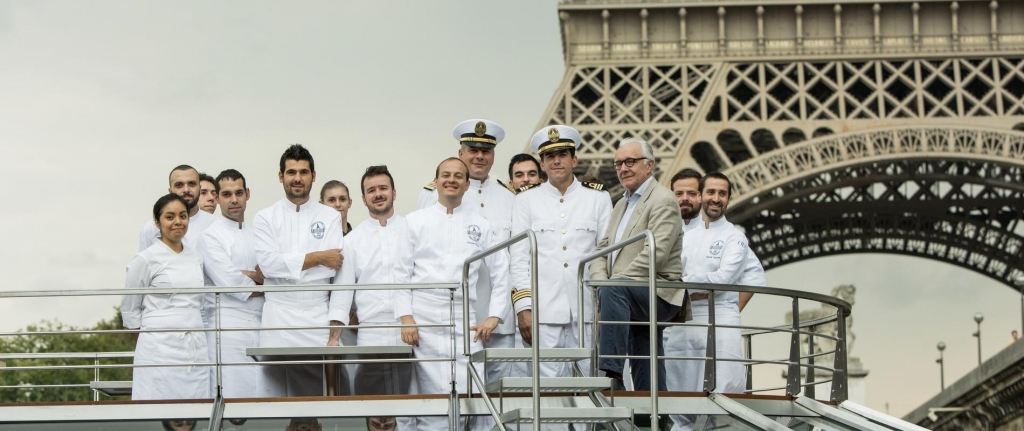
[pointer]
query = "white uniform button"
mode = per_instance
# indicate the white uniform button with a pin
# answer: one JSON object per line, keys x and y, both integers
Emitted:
{"x": 563, "y": 231}
{"x": 563, "y": 215}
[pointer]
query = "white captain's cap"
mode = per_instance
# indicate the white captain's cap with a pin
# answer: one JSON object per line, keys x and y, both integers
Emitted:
{"x": 479, "y": 133}
{"x": 555, "y": 137}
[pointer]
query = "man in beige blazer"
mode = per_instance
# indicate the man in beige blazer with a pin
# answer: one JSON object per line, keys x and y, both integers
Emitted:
{"x": 646, "y": 205}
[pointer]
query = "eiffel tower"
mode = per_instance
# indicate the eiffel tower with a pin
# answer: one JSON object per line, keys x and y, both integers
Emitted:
{"x": 885, "y": 126}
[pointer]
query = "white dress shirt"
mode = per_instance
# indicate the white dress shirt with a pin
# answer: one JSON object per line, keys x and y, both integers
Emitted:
{"x": 159, "y": 266}
{"x": 435, "y": 249}
{"x": 371, "y": 257}
{"x": 567, "y": 227}
{"x": 196, "y": 225}
{"x": 228, "y": 248}
{"x": 631, "y": 200}
{"x": 285, "y": 233}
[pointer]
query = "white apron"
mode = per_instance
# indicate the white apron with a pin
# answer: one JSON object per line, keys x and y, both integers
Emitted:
{"x": 688, "y": 376}
{"x": 237, "y": 381}
{"x": 435, "y": 377}
{"x": 171, "y": 383}
{"x": 293, "y": 380}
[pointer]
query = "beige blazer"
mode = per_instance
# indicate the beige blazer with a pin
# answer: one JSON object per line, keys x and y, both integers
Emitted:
{"x": 657, "y": 211}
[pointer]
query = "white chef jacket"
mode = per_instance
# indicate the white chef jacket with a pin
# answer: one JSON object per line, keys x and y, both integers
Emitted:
{"x": 285, "y": 233}
{"x": 228, "y": 248}
{"x": 371, "y": 257}
{"x": 159, "y": 266}
{"x": 717, "y": 255}
{"x": 435, "y": 249}
{"x": 493, "y": 201}
{"x": 567, "y": 227}
{"x": 196, "y": 225}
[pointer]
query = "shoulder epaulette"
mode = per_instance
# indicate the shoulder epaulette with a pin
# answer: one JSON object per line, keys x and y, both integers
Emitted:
{"x": 595, "y": 186}
{"x": 507, "y": 186}
{"x": 525, "y": 188}
{"x": 430, "y": 186}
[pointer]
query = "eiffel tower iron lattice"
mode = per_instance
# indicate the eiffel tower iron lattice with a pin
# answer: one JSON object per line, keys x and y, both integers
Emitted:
{"x": 858, "y": 126}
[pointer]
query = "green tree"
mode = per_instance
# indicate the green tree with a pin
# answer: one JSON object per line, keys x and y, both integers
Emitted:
{"x": 36, "y": 343}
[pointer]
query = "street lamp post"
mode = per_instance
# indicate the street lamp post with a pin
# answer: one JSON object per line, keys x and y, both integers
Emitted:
{"x": 978, "y": 317}
{"x": 942, "y": 365}
{"x": 1020, "y": 287}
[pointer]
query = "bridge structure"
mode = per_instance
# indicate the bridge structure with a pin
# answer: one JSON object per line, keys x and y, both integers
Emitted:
{"x": 885, "y": 126}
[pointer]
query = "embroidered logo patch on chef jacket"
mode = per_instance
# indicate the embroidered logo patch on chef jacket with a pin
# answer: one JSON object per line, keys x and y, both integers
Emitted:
{"x": 317, "y": 229}
{"x": 716, "y": 248}
{"x": 473, "y": 232}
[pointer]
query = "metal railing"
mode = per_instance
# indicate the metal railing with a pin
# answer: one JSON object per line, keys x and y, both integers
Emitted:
{"x": 794, "y": 360}
{"x": 216, "y": 363}
{"x": 534, "y": 347}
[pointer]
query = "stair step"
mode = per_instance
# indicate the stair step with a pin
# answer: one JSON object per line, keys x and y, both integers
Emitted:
{"x": 524, "y": 355}
{"x": 578, "y": 415}
{"x": 550, "y": 384}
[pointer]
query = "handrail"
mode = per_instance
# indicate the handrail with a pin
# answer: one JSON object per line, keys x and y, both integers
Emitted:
{"x": 652, "y": 305}
{"x": 776, "y": 291}
{"x": 214, "y": 289}
{"x": 534, "y": 347}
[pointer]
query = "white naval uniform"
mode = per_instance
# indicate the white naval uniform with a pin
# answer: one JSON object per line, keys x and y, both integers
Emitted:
{"x": 372, "y": 257}
{"x": 435, "y": 249}
{"x": 494, "y": 202}
{"x": 159, "y": 266}
{"x": 567, "y": 227}
{"x": 718, "y": 254}
{"x": 228, "y": 248}
{"x": 285, "y": 233}
{"x": 196, "y": 225}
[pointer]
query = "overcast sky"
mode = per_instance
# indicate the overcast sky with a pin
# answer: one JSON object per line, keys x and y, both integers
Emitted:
{"x": 99, "y": 100}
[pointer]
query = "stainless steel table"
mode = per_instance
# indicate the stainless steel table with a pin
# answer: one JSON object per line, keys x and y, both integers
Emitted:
{"x": 378, "y": 353}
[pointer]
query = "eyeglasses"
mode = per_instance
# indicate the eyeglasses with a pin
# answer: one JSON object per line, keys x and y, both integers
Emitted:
{"x": 628, "y": 162}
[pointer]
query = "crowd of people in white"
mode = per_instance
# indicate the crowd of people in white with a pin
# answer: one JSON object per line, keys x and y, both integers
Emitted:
{"x": 301, "y": 241}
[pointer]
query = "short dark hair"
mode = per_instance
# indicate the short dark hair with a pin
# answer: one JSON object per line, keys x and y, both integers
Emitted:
{"x": 437, "y": 170}
{"x": 718, "y": 175}
{"x": 161, "y": 203}
{"x": 204, "y": 177}
{"x": 230, "y": 175}
{"x": 374, "y": 171}
{"x": 684, "y": 174}
{"x": 331, "y": 185}
{"x": 181, "y": 168}
{"x": 298, "y": 153}
{"x": 523, "y": 157}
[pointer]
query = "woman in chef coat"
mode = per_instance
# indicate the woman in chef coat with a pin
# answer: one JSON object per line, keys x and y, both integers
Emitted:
{"x": 167, "y": 263}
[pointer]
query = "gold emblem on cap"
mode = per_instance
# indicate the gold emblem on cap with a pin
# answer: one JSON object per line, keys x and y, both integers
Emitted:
{"x": 553, "y": 135}
{"x": 480, "y": 129}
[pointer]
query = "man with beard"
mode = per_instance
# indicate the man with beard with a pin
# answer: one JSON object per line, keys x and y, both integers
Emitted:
{"x": 229, "y": 260}
{"x": 184, "y": 182}
{"x": 207, "y": 195}
{"x": 372, "y": 257}
{"x": 567, "y": 217}
{"x": 714, "y": 252}
{"x": 523, "y": 170}
{"x": 441, "y": 237}
{"x": 298, "y": 241}
{"x": 490, "y": 198}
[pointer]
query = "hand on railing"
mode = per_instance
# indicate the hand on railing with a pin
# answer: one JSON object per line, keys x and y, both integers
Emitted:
{"x": 410, "y": 336}
{"x": 525, "y": 321}
{"x": 483, "y": 329}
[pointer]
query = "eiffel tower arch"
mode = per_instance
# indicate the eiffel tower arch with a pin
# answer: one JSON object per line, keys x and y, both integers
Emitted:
{"x": 885, "y": 126}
